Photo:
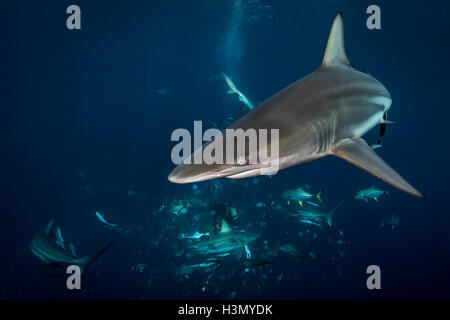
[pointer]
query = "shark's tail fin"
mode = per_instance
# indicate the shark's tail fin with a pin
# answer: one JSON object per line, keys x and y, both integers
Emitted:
{"x": 84, "y": 261}
{"x": 332, "y": 212}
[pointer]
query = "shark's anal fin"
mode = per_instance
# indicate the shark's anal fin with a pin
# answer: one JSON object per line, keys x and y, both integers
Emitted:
{"x": 359, "y": 153}
{"x": 335, "y": 55}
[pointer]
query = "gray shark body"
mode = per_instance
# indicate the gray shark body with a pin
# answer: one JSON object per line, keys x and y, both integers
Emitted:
{"x": 310, "y": 214}
{"x": 222, "y": 243}
{"x": 48, "y": 251}
{"x": 206, "y": 266}
{"x": 325, "y": 113}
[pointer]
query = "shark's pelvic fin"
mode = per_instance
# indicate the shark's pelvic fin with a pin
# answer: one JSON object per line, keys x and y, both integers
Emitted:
{"x": 335, "y": 55}
{"x": 49, "y": 227}
{"x": 359, "y": 153}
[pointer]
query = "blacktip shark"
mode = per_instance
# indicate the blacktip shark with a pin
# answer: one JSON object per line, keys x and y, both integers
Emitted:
{"x": 50, "y": 253}
{"x": 222, "y": 243}
{"x": 311, "y": 214}
{"x": 325, "y": 113}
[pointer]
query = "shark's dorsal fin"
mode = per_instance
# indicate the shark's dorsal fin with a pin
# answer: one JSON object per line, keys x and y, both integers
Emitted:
{"x": 225, "y": 227}
{"x": 359, "y": 153}
{"x": 49, "y": 227}
{"x": 335, "y": 55}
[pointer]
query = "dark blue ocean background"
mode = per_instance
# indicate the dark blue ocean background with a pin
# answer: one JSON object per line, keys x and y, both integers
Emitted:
{"x": 105, "y": 99}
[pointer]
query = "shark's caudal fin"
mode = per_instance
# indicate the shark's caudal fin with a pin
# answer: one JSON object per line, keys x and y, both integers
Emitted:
{"x": 330, "y": 214}
{"x": 335, "y": 55}
{"x": 359, "y": 153}
{"x": 84, "y": 261}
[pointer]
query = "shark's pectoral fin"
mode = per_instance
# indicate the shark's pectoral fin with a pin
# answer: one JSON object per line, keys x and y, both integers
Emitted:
{"x": 358, "y": 152}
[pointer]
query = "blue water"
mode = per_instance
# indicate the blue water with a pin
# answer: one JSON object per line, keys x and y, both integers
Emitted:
{"x": 104, "y": 100}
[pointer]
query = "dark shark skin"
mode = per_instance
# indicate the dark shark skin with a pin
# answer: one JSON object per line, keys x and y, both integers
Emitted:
{"x": 325, "y": 113}
{"x": 46, "y": 249}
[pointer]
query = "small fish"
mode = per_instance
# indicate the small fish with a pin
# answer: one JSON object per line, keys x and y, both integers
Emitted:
{"x": 234, "y": 89}
{"x": 102, "y": 219}
{"x": 163, "y": 91}
{"x": 247, "y": 251}
{"x": 393, "y": 221}
{"x": 81, "y": 175}
{"x": 179, "y": 208}
{"x": 300, "y": 195}
{"x": 141, "y": 267}
{"x": 369, "y": 193}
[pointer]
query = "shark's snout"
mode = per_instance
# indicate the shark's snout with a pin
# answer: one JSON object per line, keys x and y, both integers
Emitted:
{"x": 181, "y": 180}
{"x": 178, "y": 175}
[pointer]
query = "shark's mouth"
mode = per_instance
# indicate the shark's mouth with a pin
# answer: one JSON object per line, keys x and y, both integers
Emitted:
{"x": 181, "y": 173}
